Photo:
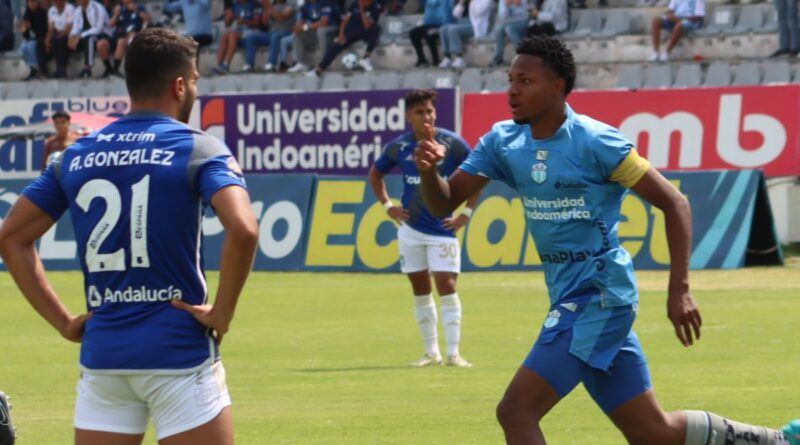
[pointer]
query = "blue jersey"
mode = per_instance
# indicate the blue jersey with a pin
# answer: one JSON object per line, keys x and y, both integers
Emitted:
{"x": 136, "y": 191}
{"x": 401, "y": 152}
{"x": 571, "y": 190}
{"x": 314, "y": 12}
{"x": 248, "y": 10}
{"x": 130, "y": 21}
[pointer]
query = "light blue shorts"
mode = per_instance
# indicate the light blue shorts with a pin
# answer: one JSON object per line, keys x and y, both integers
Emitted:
{"x": 688, "y": 25}
{"x": 583, "y": 342}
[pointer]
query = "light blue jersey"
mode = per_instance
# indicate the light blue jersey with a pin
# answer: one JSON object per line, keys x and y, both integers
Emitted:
{"x": 571, "y": 203}
{"x": 136, "y": 191}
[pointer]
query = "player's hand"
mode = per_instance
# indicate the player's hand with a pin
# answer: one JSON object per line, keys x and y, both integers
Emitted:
{"x": 73, "y": 330}
{"x": 339, "y": 39}
{"x": 455, "y": 223}
{"x": 204, "y": 313}
{"x": 398, "y": 213}
{"x": 685, "y": 316}
{"x": 428, "y": 152}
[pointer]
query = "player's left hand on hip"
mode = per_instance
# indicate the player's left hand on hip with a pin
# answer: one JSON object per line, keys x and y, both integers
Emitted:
{"x": 204, "y": 313}
{"x": 685, "y": 317}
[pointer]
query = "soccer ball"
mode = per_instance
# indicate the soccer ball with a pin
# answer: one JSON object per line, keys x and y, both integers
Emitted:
{"x": 350, "y": 61}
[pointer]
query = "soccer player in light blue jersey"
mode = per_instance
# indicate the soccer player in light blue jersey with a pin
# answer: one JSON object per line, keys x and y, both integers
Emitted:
{"x": 428, "y": 245}
{"x": 572, "y": 173}
{"x": 136, "y": 191}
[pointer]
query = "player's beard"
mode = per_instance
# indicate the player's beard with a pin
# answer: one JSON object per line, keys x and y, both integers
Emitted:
{"x": 186, "y": 108}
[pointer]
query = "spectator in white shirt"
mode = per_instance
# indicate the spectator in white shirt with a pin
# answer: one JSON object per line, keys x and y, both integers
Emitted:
{"x": 90, "y": 33}
{"x": 59, "y": 25}
{"x": 683, "y": 17}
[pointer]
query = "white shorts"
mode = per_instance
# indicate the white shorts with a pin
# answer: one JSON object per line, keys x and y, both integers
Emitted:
{"x": 420, "y": 251}
{"x": 177, "y": 403}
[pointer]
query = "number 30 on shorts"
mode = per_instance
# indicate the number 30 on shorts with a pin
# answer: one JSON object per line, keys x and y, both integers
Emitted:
{"x": 448, "y": 250}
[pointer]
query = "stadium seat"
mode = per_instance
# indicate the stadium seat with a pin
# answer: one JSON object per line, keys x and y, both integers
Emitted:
{"x": 718, "y": 75}
{"x": 204, "y": 86}
{"x": 97, "y": 88}
{"x": 253, "y": 83}
{"x": 588, "y": 22}
{"x": 496, "y": 81}
{"x": 751, "y": 17}
{"x": 226, "y": 84}
{"x": 333, "y": 81}
{"x": 770, "y": 24}
{"x": 777, "y": 72}
{"x": 689, "y": 75}
{"x": 722, "y": 20}
{"x": 45, "y": 90}
{"x": 618, "y": 22}
{"x": 442, "y": 79}
{"x": 305, "y": 83}
{"x": 414, "y": 79}
{"x": 658, "y": 76}
{"x": 747, "y": 73}
{"x": 118, "y": 87}
{"x": 388, "y": 80}
{"x": 70, "y": 89}
{"x": 470, "y": 80}
{"x": 278, "y": 82}
{"x": 18, "y": 90}
{"x": 393, "y": 28}
{"x": 630, "y": 77}
{"x": 360, "y": 81}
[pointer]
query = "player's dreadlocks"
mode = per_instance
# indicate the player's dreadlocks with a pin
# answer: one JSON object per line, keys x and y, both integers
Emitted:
{"x": 554, "y": 54}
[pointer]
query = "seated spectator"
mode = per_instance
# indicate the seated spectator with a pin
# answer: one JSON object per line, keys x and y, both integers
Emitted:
{"x": 6, "y": 28}
{"x": 282, "y": 16}
{"x": 197, "y": 16}
{"x": 552, "y": 19}
{"x": 90, "y": 32}
{"x": 129, "y": 18}
{"x": 257, "y": 38}
{"x": 359, "y": 24}
{"x": 437, "y": 13}
{"x": 34, "y": 30}
{"x": 59, "y": 25}
{"x": 512, "y": 21}
{"x": 683, "y": 17}
{"x": 241, "y": 20}
{"x": 788, "y": 28}
{"x": 316, "y": 19}
{"x": 474, "y": 24}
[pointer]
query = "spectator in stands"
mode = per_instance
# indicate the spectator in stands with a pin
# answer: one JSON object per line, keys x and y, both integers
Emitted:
{"x": 90, "y": 32}
{"x": 34, "y": 30}
{"x": 512, "y": 21}
{"x": 59, "y": 141}
{"x": 282, "y": 15}
{"x": 59, "y": 25}
{"x": 197, "y": 16}
{"x": 788, "y": 28}
{"x": 129, "y": 18}
{"x": 257, "y": 38}
{"x": 244, "y": 18}
{"x": 437, "y": 13}
{"x": 316, "y": 19}
{"x": 474, "y": 22}
{"x": 6, "y": 29}
{"x": 551, "y": 17}
{"x": 683, "y": 17}
{"x": 359, "y": 24}
{"x": 111, "y": 6}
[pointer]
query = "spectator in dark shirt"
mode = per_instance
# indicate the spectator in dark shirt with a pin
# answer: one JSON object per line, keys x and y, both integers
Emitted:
{"x": 360, "y": 24}
{"x": 129, "y": 18}
{"x": 6, "y": 28}
{"x": 34, "y": 30}
{"x": 243, "y": 19}
{"x": 316, "y": 19}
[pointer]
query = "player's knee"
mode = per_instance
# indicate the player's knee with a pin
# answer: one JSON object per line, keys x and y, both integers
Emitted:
{"x": 511, "y": 411}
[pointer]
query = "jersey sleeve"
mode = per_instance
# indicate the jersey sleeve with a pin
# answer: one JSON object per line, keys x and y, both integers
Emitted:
{"x": 388, "y": 159}
{"x": 212, "y": 167}
{"x": 46, "y": 193}
{"x": 631, "y": 170}
{"x": 609, "y": 148}
{"x": 484, "y": 161}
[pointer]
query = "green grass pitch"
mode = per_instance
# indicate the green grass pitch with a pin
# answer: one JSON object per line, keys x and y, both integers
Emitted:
{"x": 321, "y": 358}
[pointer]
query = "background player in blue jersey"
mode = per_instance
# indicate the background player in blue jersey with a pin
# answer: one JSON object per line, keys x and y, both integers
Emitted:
{"x": 136, "y": 191}
{"x": 427, "y": 244}
{"x": 572, "y": 173}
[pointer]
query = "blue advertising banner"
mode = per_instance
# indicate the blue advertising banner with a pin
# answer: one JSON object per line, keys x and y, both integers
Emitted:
{"x": 339, "y": 133}
{"x": 322, "y": 223}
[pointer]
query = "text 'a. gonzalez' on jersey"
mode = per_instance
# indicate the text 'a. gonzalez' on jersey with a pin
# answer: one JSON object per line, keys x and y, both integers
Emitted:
{"x": 136, "y": 192}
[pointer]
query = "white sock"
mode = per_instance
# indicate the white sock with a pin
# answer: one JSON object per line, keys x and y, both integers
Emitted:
{"x": 701, "y": 424}
{"x": 451, "y": 319}
{"x": 425, "y": 311}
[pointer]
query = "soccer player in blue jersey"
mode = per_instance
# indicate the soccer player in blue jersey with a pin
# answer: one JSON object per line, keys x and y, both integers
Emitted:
{"x": 572, "y": 173}
{"x": 136, "y": 191}
{"x": 427, "y": 244}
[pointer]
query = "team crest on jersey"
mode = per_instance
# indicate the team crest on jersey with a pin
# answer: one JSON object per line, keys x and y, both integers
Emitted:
{"x": 539, "y": 173}
{"x": 552, "y": 318}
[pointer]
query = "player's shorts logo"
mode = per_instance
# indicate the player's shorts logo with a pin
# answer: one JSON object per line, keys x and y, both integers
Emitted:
{"x": 539, "y": 173}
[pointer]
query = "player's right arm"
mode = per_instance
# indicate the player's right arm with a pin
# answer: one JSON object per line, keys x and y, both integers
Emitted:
{"x": 443, "y": 196}
{"x": 24, "y": 224}
{"x": 379, "y": 189}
